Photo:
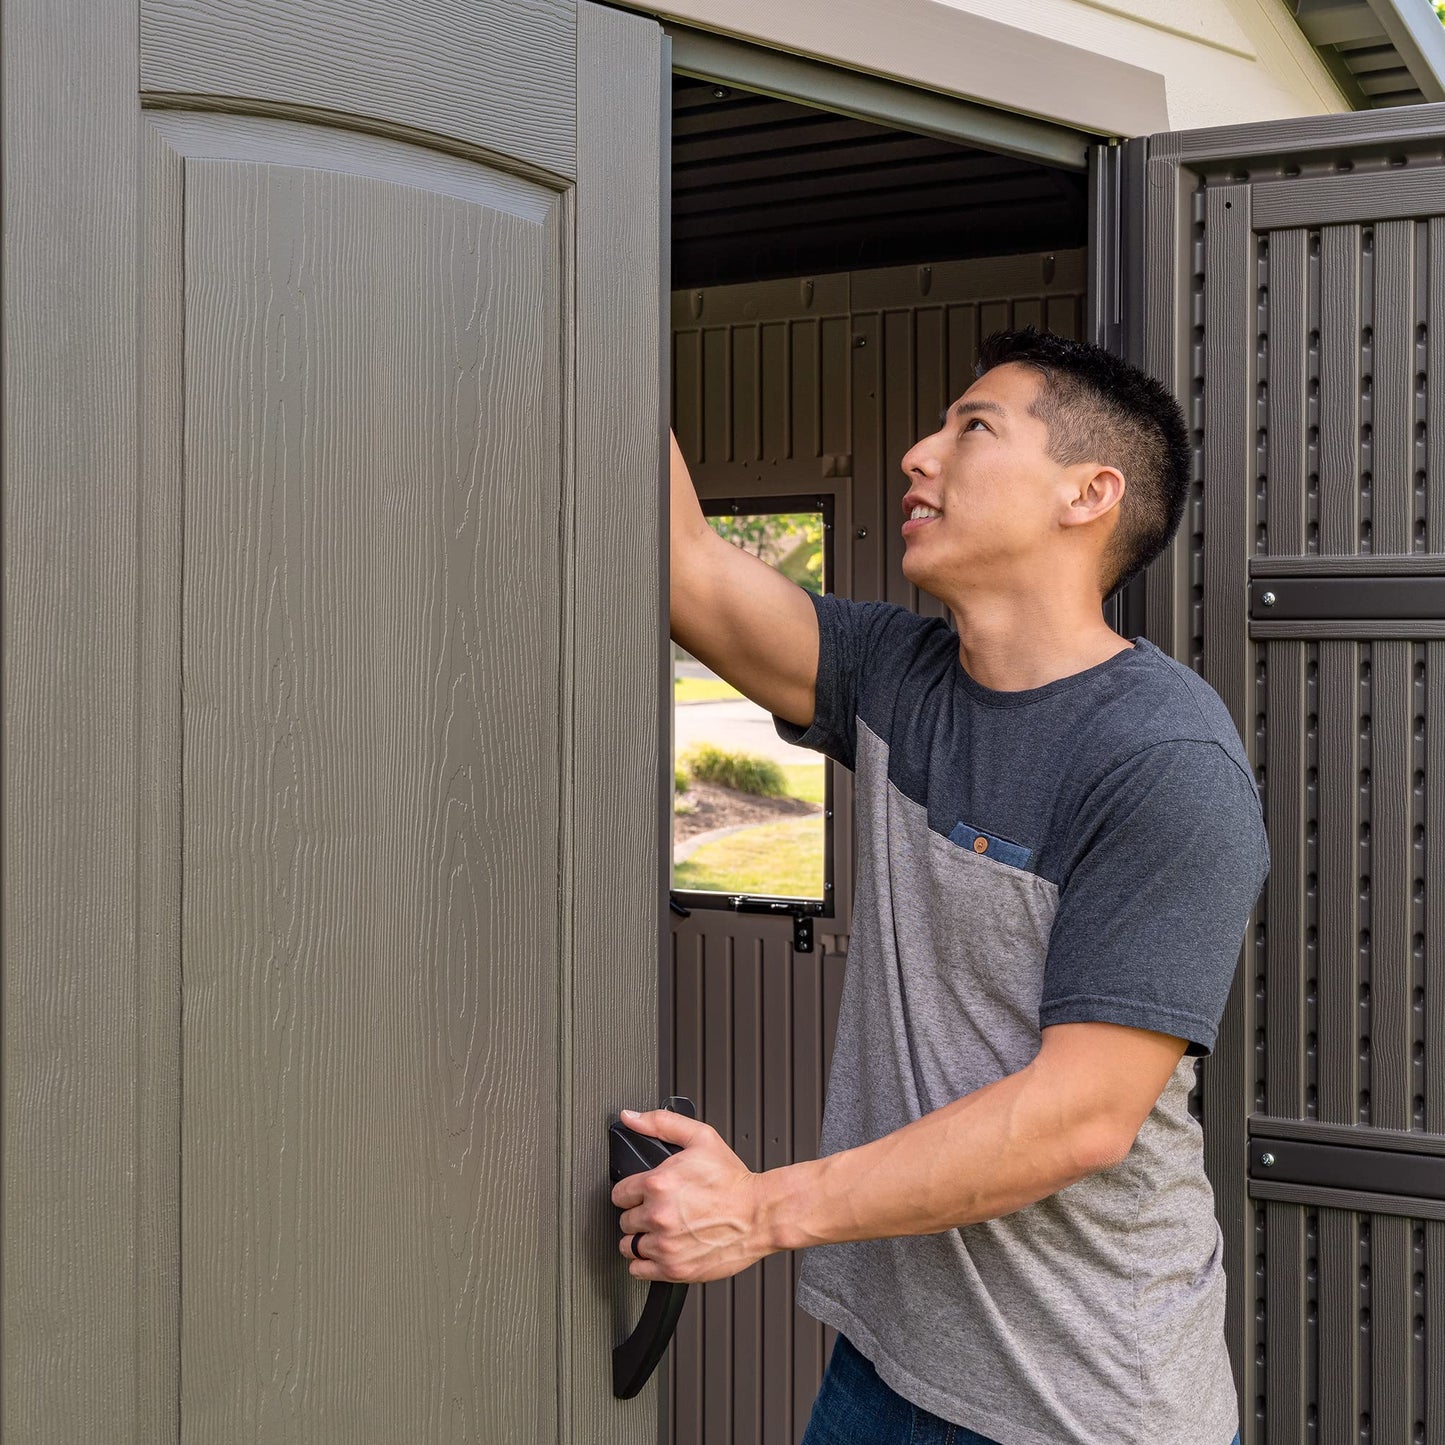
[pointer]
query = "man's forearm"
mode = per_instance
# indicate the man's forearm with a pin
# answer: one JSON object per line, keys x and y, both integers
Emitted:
{"x": 993, "y": 1151}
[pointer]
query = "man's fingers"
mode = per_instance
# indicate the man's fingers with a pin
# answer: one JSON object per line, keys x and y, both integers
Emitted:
{"x": 632, "y": 1222}
{"x": 628, "y": 1193}
{"x": 664, "y": 1124}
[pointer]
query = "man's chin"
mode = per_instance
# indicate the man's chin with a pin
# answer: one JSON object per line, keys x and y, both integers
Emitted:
{"x": 916, "y": 572}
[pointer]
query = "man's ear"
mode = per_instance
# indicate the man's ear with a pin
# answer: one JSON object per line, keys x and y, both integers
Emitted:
{"x": 1097, "y": 492}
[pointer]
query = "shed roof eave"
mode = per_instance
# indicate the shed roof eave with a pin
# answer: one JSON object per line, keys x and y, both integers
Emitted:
{"x": 937, "y": 47}
{"x": 1416, "y": 32}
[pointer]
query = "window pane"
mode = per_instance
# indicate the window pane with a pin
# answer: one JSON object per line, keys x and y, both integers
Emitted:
{"x": 748, "y": 807}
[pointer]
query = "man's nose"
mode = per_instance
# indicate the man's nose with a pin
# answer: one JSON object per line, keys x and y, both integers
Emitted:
{"x": 919, "y": 460}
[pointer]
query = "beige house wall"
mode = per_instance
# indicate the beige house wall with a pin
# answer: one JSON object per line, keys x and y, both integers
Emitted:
{"x": 1106, "y": 67}
{"x": 1223, "y": 61}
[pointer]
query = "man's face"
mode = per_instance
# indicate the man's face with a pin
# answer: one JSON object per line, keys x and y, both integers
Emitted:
{"x": 997, "y": 491}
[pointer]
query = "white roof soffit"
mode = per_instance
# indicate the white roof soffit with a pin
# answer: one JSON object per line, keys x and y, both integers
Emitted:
{"x": 936, "y": 47}
{"x": 1382, "y": 52}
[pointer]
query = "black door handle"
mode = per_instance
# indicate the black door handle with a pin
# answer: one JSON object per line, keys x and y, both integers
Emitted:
{"x": 634, "y": 1360}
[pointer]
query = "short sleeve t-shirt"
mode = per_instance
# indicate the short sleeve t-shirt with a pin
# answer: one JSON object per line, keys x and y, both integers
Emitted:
{"x": 1085, "y": 850}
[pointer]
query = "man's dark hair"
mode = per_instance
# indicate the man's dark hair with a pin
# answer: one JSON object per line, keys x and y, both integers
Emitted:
{"x": 1098, "y": 408}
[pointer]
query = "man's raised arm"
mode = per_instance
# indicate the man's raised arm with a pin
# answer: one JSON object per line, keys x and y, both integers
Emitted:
{"x": 737, "y": 615}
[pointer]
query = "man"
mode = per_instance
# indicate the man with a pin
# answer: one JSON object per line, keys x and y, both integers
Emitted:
{"x": 1059, "y": 843}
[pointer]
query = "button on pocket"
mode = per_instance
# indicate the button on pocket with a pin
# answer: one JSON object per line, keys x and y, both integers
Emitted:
{"x": 1000, "y": 850}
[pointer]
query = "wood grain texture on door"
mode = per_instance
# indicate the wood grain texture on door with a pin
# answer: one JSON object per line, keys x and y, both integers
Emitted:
{"x": 370, "y": 728}
{"x": 334, "y": 641}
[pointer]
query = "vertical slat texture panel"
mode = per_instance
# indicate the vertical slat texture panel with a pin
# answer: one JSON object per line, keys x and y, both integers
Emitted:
{"x": 1339, "y": 733}
{"x": 995, "y": 316}
{"x": 1229, "y": 330}
{"x": 836, "y": 413}
{"x": 1392, "y": 389}
{"x": 1429, "y": 913}
{"x": 1429, "y": 943}
{"x": 1061, "y": 316}
{"x": 746, "y": 416}
{"x": 810, "y": 1028}
{"x": 1160, "y": 287}
{"x": 779, "y": 1312}
{"x": 68, "y": 830}
{"x": 1432, "y": 454}
{"x": 1027, "y": 311}
{"x": 1350, "y": 1336}
{"x": 930, "y": 369}
{"x": 1390, "y": 1008}
{"x": 1339, "y": 390}
{"x": 1389, "y": 1011}
{"x": 715, "y": 1300}
{"x": 1338, "y": 1403}
{"x": 776, "y": 430}
{"x": 717, "y": 395}
{"x": 753, "y": 1024}
{"x": 371, "y": 810}
{"x": 807, "y": 389}
{"x": 749, "y": 1060}
{"x": 1289, "y": 387}
{"x": 612, "y": 810}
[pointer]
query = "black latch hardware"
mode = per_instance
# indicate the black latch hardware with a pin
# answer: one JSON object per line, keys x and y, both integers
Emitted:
{"x": 801, "y": 913}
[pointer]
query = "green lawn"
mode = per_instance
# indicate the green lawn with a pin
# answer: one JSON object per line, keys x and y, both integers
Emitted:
{"x": 784, "y": 858}
{"x": 703, "y": 689}
{"x": 805, "y": 781}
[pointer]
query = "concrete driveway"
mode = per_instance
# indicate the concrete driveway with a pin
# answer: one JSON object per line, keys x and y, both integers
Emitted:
{"x": 740, "y": 727}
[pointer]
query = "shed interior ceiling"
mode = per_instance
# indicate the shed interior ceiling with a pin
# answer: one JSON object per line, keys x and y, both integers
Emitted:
{"x": 764, "y": 188}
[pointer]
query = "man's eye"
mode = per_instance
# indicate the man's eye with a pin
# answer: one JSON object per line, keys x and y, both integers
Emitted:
{"x": 976, "y": 421}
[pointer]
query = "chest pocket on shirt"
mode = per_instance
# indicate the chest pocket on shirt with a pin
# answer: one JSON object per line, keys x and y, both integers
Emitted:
{"x": 990, "y": 845}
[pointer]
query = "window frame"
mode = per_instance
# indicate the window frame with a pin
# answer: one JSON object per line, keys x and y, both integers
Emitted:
{"x": 755, "y": 502}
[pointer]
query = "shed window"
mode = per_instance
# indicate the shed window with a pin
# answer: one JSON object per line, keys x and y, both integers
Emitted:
{"x": 751, "y": 813}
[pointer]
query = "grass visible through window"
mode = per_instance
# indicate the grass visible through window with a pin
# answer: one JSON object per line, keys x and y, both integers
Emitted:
{"x": 772, "y": 858}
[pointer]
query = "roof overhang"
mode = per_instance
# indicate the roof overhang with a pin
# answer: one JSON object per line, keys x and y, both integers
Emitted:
{"x": 936, "y": 48}
{"x": 1381, "y": 52}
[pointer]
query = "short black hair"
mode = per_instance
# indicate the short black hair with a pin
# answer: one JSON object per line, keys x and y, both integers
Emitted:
{"x": 1099, "y": 408}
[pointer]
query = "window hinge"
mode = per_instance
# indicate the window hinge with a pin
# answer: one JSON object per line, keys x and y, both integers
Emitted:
{"x": 801, "y": 913}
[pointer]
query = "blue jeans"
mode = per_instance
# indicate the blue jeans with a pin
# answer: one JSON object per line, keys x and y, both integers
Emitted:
{"x": 855, "y": 1407}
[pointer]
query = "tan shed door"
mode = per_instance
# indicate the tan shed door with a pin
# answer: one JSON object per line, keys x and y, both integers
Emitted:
{"x": 390, "y": 276}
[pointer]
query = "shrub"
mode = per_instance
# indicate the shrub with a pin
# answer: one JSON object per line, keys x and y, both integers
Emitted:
{"x": 679, "y": 779}
{"x": 743, "y": 772}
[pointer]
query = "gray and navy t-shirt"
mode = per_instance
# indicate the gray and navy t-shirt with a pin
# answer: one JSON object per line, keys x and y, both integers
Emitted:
{"x": 1086, "y": 850}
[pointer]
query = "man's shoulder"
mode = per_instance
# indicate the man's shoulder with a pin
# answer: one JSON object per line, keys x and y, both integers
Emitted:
{"x": 882, "y": 640}
{"x": 1168, "y": 709}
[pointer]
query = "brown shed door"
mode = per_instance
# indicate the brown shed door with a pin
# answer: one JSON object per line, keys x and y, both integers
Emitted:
{"x": 1289, "y": 281}
{"x": 352, "y": 477}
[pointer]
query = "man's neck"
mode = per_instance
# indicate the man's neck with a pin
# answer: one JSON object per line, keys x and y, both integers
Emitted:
{"x": 1010, "y": 645}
